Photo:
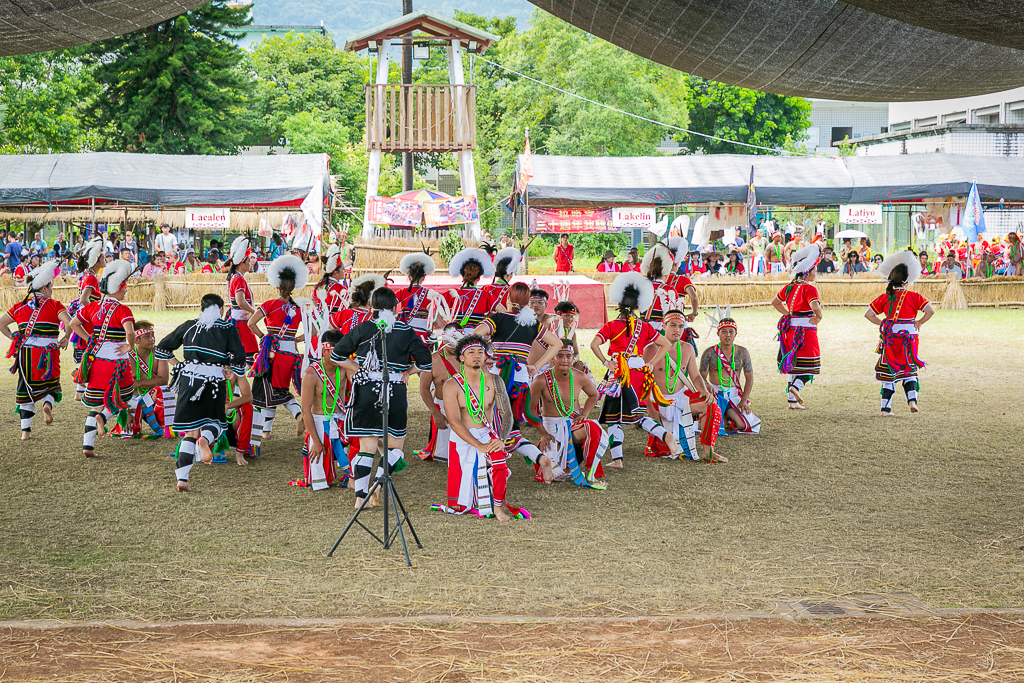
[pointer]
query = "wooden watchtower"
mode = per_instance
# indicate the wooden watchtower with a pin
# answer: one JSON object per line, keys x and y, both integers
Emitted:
{"x": 419, "y": 117}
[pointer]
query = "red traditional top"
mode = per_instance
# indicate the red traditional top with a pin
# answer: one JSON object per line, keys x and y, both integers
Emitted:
{"x": 87, "y": 280}
{"x": 347, "y": 318}
{"x": 332, "y": 294}
{"x": 239, "y": 284}
{"x": 471, "y": 306}
{"x": 499, "y": 293}
{"x": 903, "y": 306}
{"x": 563, "y": 258}
{"x": 798, "y": 297}
{"x": 93, "y": 315}
{"x": 47, "y": 323}
{"x": 618, "y": 335}
{"x": 282, "y": 318}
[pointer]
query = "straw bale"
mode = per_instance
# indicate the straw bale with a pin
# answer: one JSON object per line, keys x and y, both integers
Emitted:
{"x": 380, "y": 260}
{"x": 994, "y": 291}
{"x": 953, "y": 299}
{"x": 186, "y": 291}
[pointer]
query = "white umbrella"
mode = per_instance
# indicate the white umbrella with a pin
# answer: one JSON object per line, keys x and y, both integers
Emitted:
{"x": 849, "y": 234}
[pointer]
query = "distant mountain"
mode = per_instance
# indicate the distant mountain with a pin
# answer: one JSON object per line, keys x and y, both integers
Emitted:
{"x": 345, "y": 18}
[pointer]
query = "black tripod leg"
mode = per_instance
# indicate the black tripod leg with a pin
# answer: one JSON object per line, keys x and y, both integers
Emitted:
{"x": 405, "y": 515}
{"x": 398, "y": 523}
{"x": 376, "y": 485}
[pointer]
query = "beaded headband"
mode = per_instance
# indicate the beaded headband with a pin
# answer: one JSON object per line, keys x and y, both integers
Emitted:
{"x": 726, "y": 324}
{"x": 145, "y": 333}
{"x": 672, "y": 315}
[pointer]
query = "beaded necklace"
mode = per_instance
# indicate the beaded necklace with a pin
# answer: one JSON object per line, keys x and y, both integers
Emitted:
{"x": 675, "y": 375}
{"x": 560, "y": 404}
{"x": 732, "y": 366}
{"x": 336, "y": 392}
{"x": 474, "y": 406}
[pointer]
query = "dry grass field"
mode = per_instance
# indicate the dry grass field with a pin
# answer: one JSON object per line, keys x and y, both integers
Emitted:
{"x": 830, "y": 501}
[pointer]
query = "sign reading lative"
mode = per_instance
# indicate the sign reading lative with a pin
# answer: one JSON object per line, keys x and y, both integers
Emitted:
{"x": 548, "y": 221}
{"x": 633, "y": 217}
{"x": 860, "y": 214}
{"x": 207, "y": 218}
{"x": 451, "y": 211}
{"x": 396, "y": 212}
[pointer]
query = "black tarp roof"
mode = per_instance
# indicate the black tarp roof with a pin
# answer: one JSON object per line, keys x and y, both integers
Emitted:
{"x": 561, "y": 181}
{"x": 161, "y": 179}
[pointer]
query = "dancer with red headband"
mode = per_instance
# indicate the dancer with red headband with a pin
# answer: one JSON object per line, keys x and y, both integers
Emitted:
{"x": 676, "y": 376}
{"x": 727, "y": 368}
{"x": 151, "y": 377}
{"x": 480, "y": 417}
{"x": 105, "y": 370}
{"x": 36, "y": 344}
{"x": 800, "y": 305}
{"x": 895, "y": 313}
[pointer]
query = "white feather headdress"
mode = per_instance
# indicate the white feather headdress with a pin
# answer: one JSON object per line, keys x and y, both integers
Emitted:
{"x": 115, "y": 274}
{"x": 805, "y": 259}
{"x": 428, "y": 263}
{"x": 471, "y": 254}
{"x": 679, "y": 248}
{"x": 377, "y": 280}
{"x": 716, "y": 317}
{"x": 42, "y": 276}
{"x": 908, "y": 259}
{"x": 633, "y": 284}
{"x": 333, "y": 258}
{"x": 657, "y": 251}
{"x": 287, "y": 262}
{"x": 93, "y": 251}
{"x": 239, "y": 250}
{"x": 513, "y": 256}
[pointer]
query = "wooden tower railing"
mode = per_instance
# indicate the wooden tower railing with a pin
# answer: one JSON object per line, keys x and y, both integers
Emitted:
{"x": 420, "y": 118}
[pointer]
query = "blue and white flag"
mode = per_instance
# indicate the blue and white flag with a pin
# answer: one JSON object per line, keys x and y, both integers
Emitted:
{"x": 974, "y": 215}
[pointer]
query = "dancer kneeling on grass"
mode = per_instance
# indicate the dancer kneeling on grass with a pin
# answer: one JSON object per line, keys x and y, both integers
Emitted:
{"x": 898, "y": 360}
{"x": 36, "y": 345}
{"x": 480, "y": 417}
{"x": 213, "y": 356}
{"x": 323, "y": 407}
{"x": 721, "y": 365}
{"x": 675, "y": 374}
{"x": 800, "y": 305}
{"x": 628, "y": 379}
{"x": 406, "y": 354}
{"x": 151, "y": 375}
{"x": 105, "y": 371}
{"x": 278, "y": 362}
{"x": 566, "y": 432}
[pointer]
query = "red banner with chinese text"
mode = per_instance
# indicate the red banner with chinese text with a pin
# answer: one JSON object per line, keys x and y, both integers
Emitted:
{"x": 554, "y": 221}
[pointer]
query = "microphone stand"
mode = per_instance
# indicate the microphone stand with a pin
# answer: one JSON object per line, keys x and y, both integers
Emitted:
{"x": 385, "y": 482}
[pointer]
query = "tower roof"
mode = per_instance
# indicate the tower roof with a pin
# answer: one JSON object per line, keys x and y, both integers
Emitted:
{"x": 427, "y": 25}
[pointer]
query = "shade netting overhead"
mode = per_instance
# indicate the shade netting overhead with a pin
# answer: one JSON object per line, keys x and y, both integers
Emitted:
{"x": 564, "y": 181}
{"x": 160, "y": 179}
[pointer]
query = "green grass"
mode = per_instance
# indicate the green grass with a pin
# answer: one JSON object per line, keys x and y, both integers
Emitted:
{"x": 827, "y": 501}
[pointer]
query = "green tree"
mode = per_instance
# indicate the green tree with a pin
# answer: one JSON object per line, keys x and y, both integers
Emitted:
{"x": 757, "y": 118}
{"x": 303, "y": 73}
{"x": 43, "y": 97}
{"x": 175, "y": 87}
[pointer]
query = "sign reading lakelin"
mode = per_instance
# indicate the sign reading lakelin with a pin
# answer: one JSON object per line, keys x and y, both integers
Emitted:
{"x": 974, "y": 216}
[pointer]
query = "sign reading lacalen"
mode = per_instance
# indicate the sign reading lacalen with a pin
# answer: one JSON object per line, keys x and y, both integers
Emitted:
{"x": 207, "y": 218}
{"x": 860, "y": 214}
{"x": 633, "y": 216}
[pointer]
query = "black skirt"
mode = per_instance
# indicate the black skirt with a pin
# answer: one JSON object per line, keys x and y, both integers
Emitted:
{"x": 200, "y": 402}
{"x": 622, "y": 409}
{"x": 365, "y": 417}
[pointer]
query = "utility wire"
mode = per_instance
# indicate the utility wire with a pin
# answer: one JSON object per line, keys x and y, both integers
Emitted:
{"x": 637, "y": 116}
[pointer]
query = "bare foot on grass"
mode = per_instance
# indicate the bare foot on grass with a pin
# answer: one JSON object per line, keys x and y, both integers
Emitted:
{"x": 374, "y": 500}
{"x": 25, "y": 436}
{"x": 796, "y": 394}
{"x": 674, "y": 448}
{"x": 204, "y": 451}
{"x": 617, "y": 464}
{"x": 89, "y": 453}
{"x": 101, "y": 426}
{"x": 547, "y": 473}
{"x": 913, "y": 407}
{"x": 240, "y": 459}
{"x": 885, "y": 414}
{"x": 183, "y": 487}
{"x": 500, "y": 514}
{"x": 797, "y": 406}
{"x": 47, "y": 414}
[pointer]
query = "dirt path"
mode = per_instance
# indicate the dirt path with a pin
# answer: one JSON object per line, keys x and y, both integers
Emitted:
{"x": 980, "y": 647}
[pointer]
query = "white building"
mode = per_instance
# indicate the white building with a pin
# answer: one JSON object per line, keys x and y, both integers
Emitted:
{"x": 833, "y": 121}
